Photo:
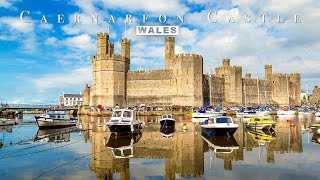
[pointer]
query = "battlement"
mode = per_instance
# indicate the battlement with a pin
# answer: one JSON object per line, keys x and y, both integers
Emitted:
{"x": 187, "y": 56}
{"x": 148, "y": 71}
{"x": 226, "y": 62}
{"x": 248, "y": 76}
{"x": 295, "y": 75}
{"x": 102, "y": 35}
{"x": 113, "y": 56}
{"x": 268, "y": 66}
{"x": 125, "y": 40}
{"x": 169, "y": 39}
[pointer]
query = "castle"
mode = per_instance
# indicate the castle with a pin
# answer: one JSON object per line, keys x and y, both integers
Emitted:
{"x": 181, "y": 82}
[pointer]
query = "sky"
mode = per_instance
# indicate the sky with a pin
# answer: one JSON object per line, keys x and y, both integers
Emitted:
{"x": 40, "y": 61}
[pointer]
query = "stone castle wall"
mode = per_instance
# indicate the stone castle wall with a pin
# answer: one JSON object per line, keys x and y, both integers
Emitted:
{"x": 182, "y": 82}
{"x": 316, "y": 95}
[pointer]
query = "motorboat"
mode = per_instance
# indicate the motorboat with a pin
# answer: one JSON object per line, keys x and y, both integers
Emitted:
{"x": 124, "y": 121}
{"x": 262, "y": 135}
{"x": 122, "y": 146}
{"x": 315, "y": 138}
{"x": 315, "y": 128}
{"x": 167, "y": 131}
{"x": 6, "y": 122}
{"x": 258, "y": 122}
{"x": 202, "y": 113}
{"x": 220, "y": 144}
{"x": 167, "y": 120}
{"x": 56, "y": 119}
{"x": 317, "y": 114}
{"x": 219, "y": 126}
{"x": 286, "y": 111}
{"x": 247, "y": 112}
{"x": 55, "y": 135}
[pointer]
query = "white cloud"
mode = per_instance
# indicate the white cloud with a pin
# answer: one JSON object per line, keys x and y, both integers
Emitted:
{"x": 82, "y": 42}
{"x": 7, "y": 3}
{"x": 52, "y": 41}
{"x": 14, "y": 23}
{"x": 168, "y": 7}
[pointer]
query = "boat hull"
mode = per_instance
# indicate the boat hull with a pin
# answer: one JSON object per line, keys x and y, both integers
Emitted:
{"x": 6, "y": 122}
{"x": 286, "y": 112}
{"x": 123, "y": 129}
{"x": 219, "y": 131}
{"x": 317, "y": 114}
{"x": 167, "y": 122}
{"x": 52, "y": 124}
{"x": 261, "y": 126}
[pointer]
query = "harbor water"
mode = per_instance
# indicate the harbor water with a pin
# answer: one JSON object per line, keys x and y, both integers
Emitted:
{"x": 290, "y": 151}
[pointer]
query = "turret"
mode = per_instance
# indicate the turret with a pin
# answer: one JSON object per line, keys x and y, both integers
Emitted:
{"x": 102, "y": 43}
{"x": 125, "y": 52}
{"x": 226, "y": 62}
{"x": 169, "y": 51}
{"x": 268, "y": 71}
{"x": 248, "y": 76}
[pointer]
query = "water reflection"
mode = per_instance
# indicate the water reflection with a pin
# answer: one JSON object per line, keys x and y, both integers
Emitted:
{"x": 54, "y": 135}
{"x": 184, "y": 154}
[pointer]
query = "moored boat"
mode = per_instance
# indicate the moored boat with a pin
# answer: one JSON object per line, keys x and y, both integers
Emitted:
{"x": 6, "y": 122}
{"x": 124, "y": 121}
{"x": 286, "y": 111}
{"x": 56, "y": 119}
{"x": 317, "y": 114}
{"x": 220, "y": 126}
{"x": 167, "y": 120}
{"x": 259, "y": 122}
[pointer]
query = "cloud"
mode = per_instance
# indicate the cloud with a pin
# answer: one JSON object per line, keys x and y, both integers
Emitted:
{"x": 82, "y": 42}
{"x": 7, "y": 3}
{"x": 169, "y": 7}
{"x": 14, "y": 23}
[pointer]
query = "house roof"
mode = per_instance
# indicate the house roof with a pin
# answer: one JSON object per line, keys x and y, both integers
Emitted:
{"x": 73, "y": 95}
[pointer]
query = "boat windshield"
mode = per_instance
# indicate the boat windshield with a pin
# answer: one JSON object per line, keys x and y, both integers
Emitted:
{"x": 127, "y": 114}
{"x": 116, "y": 114}
{"x": 223, "y": 120}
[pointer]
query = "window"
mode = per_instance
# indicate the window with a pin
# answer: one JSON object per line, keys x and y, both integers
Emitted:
{"x": 116, "y": 114}
{"x": 127, "y": 114}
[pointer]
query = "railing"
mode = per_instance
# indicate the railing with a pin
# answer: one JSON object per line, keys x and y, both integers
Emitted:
{"x": 26, "y": 106}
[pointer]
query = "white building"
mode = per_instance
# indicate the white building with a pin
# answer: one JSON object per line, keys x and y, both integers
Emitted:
{"x": 71, "y": 100}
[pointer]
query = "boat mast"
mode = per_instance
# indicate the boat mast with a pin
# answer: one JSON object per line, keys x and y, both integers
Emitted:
{"x": 288, "y": 90}
{"x": 210, "y": 85}
{"x": 258, "y": 91}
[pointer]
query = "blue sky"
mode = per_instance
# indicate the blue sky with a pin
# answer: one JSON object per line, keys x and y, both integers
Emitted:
{"x": 40, "y": 61}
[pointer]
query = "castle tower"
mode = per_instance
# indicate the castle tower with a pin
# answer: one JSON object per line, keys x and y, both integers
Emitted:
{"x": 86, "y": 96}
{"x": 232, "y": 76}
{"x": 102, "y": 43}
{"x": 109, "y": 73}
{"x": 169, "y": 52}
{"x": 268, "y": 71}
{"x": 295, "y": 89}
{"x": 125, "y": 52}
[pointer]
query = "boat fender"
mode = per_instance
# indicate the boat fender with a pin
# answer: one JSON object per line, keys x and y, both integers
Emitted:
{"x": 318, "y": 130}
{"x": 132, "y": 129}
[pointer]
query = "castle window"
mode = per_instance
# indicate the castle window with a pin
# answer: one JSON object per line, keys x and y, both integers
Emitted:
{"x": 273, "y": 82}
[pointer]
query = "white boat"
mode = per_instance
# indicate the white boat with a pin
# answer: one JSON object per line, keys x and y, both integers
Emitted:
{"x": 220, "y": 126}
{"x": 6, "y": 122}
{"x": 286, "y": 111}
{"x": 317, "y": 114}
{"x": 167, "y": 120}
{"x": 122, "y": 146}
{"x": 208, "y": 113}
{"x": 55, "y": 119}
{"x": 124, "y": 121}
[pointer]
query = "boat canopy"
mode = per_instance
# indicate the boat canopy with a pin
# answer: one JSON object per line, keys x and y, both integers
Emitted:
{"x": 165, "y": 116}
{"x": 223, "y": 120}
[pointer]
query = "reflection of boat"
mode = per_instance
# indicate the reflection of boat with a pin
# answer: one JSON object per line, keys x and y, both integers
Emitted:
{"x": 124, "y": 121}
{"x": 56, "y": 119}
{"x": 220, "y": 144}
{"x": 286, "y": 111}
{"x": 55, "y": 135}
{"x": 122, "y": 146}
{"x": 220, "y": 126}
{"x": 7, "y": 128}
{"x": 262, "y": 135}
{"x": 167, "y": 120}
{"x": 167, "y": 131}
{"x": 315, "y": 138}
{"x": 258, "y": 122}
{"x": 6, "y": 122}
{"x": 315, "y": 128}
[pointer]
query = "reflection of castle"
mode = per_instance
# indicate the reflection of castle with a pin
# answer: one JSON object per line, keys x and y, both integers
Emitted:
{"x": 182, "y": 82}
{"x": 184, "y": 152}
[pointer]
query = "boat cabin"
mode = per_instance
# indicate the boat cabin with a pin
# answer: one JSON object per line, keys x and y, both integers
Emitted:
{"x": 123, "y": 116}
{"x": 219, "y": 120}
{"x": 59, "y": 114}
{"x": 167, "y": 116}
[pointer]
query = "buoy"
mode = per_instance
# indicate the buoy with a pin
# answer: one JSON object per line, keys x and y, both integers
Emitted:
{"x": 184, "y": 127}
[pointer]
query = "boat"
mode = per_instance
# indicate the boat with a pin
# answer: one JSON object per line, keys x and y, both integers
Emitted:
{"x": 6, "y": 122}
{"x": 122, "y": 146}
{"x": 124, "y": 121}
{"x": 220, "y": 126}
{"x": 202, "y": 113}
{"x": 247, "y": 112}
{"x": 315, "y": 138}
{"x": 286, "y": 111}
{"x": 167, "y": 131}
{"x": 220, "y": 144}
{"x": 317, "y": 114}
{"x": 54, "y": 135}
{"x": 262, "y": 135}
{"x": 259, "y": 122}
{"x": 55, "y": 119}
{"x": 167, "y": 120}
{"x": 315, "y": 128}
